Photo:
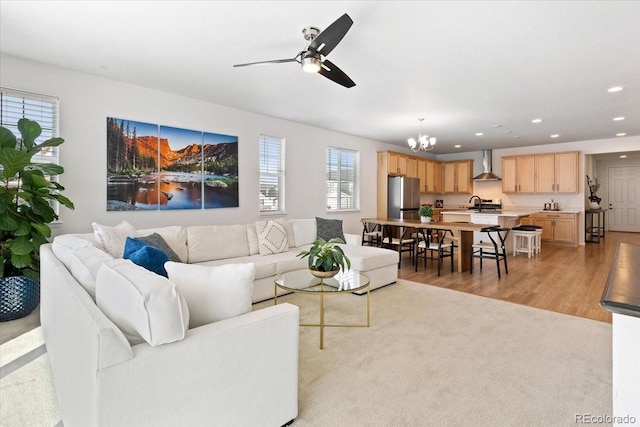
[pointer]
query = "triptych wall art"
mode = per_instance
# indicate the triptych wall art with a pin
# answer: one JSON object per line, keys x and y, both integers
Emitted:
{"x": 151, "y": 167}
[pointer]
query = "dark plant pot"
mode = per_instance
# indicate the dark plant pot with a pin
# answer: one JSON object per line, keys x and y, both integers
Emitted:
{"x": 19, "y": 296}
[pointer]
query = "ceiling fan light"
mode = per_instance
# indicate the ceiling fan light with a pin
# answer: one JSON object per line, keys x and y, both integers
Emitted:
{"x": 310, "y": 64}
{"x": 432, "y": 140}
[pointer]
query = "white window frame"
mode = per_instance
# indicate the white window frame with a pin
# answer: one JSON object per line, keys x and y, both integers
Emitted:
{"x": 44, "y": 109}
{"x": 344, "y": 160}
{"x": 272, "y": 172}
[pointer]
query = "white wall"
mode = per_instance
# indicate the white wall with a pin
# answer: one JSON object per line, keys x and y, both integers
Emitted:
{"x": 86, "y": 101}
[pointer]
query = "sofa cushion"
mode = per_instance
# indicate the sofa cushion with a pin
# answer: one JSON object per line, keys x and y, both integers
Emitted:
{"x": 113, "y": 238}
{"x": 265, "y": 266}
{"x": 305, "y": 231}
{"x": 145, "y": 306}
{"x": 213, "y": 293}
{"x": 65, "y": 245}
{"x": 365, "y": 258}
{"x": 252, "y": 239}
{"x": 145, "y": 255}
{"x": 157, "y": 241}
{"x": 288, "y": 227}
{"x": 272, "y": 237}
{"x": 216, "y": 242}
{"x": 329, "y": 228}
{"x": 83, "y": 262}
{"x": 174, "y": 235}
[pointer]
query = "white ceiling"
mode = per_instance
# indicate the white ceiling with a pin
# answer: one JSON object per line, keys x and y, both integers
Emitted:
{"x": 466, "y": 67}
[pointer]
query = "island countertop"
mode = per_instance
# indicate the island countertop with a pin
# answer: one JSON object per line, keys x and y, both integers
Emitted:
{"x": 510, "y": 214}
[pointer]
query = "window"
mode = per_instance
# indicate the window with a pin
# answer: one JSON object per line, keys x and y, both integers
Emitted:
{"x": 343, "y": 186}
{"x": 271, "y": 174}
{"x": 15, "y": 105}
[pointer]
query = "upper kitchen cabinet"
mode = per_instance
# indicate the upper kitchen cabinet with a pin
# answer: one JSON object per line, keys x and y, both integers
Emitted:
{"x": 457, "y": 177}
{"x": 430, "y": 174}
{"x": 518, "y": 174}
{"x": 398, "y": 164}
{"x": 556, "y": 172}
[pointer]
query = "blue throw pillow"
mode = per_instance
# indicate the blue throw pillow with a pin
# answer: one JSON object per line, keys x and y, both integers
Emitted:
{"x": 146, "y": 256}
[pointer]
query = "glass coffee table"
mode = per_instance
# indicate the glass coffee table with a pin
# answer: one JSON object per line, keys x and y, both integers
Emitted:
{"x": 303, "y": 282}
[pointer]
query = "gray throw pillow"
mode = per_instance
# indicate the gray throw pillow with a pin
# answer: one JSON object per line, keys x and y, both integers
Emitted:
{"x": 329, "y": 228}
{"x": 157, "y": 241}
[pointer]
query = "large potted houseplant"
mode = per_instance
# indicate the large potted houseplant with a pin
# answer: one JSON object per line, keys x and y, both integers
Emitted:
{"x": 326, "y": 258}
{"x": 26, "y": 197}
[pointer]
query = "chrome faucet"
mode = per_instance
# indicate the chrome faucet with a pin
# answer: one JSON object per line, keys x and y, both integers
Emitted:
{"x": 479, "y": 202}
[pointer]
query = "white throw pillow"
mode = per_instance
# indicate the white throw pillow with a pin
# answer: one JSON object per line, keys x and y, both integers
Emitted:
{"x": 213, "y": 293}
{"x": 85, "y": 264}
{"x": 144, "y": 305}
{"x": 272, "y": 237}
{"x": 305, "y": 231}
{"x": 113, "y": 238}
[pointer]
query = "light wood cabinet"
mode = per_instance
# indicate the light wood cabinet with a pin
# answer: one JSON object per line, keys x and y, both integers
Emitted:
{"x": 401, "y": 164}
{"x": 430, "y": 174}
{"x": 518, "y": 174}
{"x": 559, "y": 228}
{"x": 557, "y": 173}
{"x": 541, "y": 173}
{"x": 457, "y": 177}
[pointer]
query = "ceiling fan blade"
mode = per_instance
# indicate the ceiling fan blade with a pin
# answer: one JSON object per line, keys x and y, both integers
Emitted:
{"x": 332, "y": 72}
{"x": 331, "y": 36}
{"x": 274, "y": 61}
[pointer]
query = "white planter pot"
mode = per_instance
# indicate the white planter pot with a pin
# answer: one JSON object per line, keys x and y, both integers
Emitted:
{"x": 594, "y": 205}
{"x": 425, "y": 219}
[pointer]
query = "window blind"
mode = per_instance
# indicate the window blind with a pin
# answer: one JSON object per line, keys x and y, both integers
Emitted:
{"x": 272, "y": 174}
{"x": 343, "y": 186}
{"x": 15, "y": 105}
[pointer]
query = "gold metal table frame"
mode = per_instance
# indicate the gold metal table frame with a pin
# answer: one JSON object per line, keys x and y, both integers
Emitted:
{"x": 302, "y": 281}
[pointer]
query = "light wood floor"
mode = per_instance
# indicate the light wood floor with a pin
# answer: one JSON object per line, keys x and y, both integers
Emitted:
{"x": 561, "y": 279}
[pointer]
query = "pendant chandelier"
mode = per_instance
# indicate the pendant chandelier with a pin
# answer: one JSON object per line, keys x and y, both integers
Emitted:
{"x": 423, "y": 142}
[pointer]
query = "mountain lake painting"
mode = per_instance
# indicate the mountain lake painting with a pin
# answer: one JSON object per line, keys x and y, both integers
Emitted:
{"x": 152, "y": 167}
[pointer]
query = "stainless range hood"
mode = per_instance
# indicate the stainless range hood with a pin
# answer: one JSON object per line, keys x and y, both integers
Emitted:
{"x": 487, "y": 174}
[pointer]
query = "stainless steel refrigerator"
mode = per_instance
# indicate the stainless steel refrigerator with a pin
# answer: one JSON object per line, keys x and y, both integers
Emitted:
{"x": 403, "y": 198}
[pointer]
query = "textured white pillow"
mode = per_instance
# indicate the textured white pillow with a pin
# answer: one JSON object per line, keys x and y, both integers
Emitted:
{"x": 144, "y": 305}
{"x": 272, "y": 237}
{"x": 213, "y": 293}
{"x": 113, "y": 238}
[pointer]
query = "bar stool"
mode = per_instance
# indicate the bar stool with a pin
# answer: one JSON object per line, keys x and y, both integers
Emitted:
{"x": 526, "y": 239}
{"x": 495, "y": 249}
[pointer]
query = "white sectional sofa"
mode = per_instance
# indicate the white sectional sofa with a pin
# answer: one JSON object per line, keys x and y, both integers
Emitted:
{"x": 239, "y": 371}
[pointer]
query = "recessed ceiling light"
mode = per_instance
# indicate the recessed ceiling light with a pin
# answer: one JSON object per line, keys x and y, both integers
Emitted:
{"x": 536, "y": 121}
{"x": 497, "y": 126}
{"x": 508, "y": 132}
{"x": 621, "y": 134}
{"x": 624, "y": 156}
{"x": 457, "y": 146}
{"x": 555, "y": 135}
{"x": 615, "y": 89}
{"x": 479, "y": 134}
{"x": 617, "y": 119}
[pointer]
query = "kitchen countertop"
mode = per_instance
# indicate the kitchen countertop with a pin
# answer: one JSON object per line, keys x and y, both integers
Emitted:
{"x": 503, "y": 213}
{"x": 622, "y": 293}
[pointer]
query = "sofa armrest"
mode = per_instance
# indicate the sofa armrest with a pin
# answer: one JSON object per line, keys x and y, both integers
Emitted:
{"x": 239, "y": 371}
{"x": 353, "y": 239}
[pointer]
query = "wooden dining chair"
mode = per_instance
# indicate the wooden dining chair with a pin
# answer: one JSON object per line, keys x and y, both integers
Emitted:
{"x": 494, "y": 248}
{"x": 435, "y": 245}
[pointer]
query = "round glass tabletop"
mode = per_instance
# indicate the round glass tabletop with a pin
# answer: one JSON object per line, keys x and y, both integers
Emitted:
{"x": 304, "y": 281}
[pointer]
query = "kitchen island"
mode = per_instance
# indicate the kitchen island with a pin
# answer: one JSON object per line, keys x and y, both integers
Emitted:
{"x": 462, "y": 230}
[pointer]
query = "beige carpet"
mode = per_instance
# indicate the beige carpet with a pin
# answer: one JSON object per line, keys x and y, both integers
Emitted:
{"x": 432, "y": 357}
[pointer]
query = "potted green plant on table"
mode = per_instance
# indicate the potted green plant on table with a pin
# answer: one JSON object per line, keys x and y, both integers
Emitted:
{"x": 26, "y": 194}
{"x": 425, "y": 213}
{"x": 326, "y": 258}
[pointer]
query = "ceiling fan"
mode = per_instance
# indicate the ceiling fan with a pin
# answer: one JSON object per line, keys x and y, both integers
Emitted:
{"x": 313, "y": 58}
